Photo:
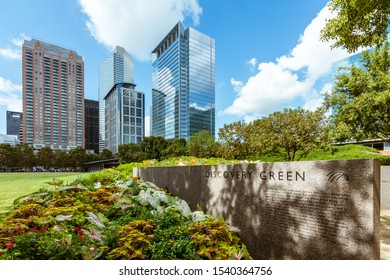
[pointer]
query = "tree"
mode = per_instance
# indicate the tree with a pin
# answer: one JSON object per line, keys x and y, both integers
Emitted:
{"x": 25, "y": 156}
{"x": 106, "y": 154}
{"x": 201, "y": 145}
{"x": 360, "y": 98}
{"x": 175, "y": 148}
{"x": 61, "y": 159}
{"x": 130, "y": 152}
{"x": 77, "y": 158}
{"x": 46, "y": 157}
{"x": 233, "y": 140}
{"x": 288, "y": 132}
{"x": 153, "y": 146}
{"x": 89, "y": 157}
{"x": 7, "y": 156}
{"x": 358, "y": 23}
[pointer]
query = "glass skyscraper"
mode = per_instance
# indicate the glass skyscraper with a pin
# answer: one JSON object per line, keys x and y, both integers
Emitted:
{"x": 117, "y": 68}
{"x": 124, "y": 116}
{"x": 183, "y": 84}
{"x": 91, "y": 118}
{"x": 14, "y": 120}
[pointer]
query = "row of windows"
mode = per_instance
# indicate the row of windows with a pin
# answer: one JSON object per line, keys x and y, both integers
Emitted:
{"x": 131, "y": 130}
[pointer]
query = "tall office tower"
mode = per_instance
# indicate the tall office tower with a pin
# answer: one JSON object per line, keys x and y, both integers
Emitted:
{"x": 91, "y": 109}
{"x": 118, "y": 68}
{"x": 14, "y": 120}
{"x": 53, "y": 96}
{"x": 183, "y": 93}
{"x": 125, "y": 116}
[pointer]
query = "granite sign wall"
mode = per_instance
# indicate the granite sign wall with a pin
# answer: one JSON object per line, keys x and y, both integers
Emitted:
{"x": 299, "y": 210}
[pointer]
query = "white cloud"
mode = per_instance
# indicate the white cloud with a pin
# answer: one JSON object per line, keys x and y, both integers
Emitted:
{"x": 11, "y": 53}
{"x": 272, "y": 86}
{"x": 316, "y": 100}
{"x": 10, "y": 95}
{"x": 236, "y": 84}
{"x": 291, "y": 77}
{"x": 313, "y": 104}
{"x": 14, "y": 52}
{"x": 252, "y": 62}
{"x": 18, "y": 42}
{"x": 250, "y": 118}
{"x": 136, "y": 25}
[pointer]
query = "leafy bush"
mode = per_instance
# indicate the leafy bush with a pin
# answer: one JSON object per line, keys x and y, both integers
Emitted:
{"x": 111, "y": 218}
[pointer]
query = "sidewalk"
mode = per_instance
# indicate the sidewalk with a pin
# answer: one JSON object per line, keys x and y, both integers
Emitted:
{"x": 385, "y": 234}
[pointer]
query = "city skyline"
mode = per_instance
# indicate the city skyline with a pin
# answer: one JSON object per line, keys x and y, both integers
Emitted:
{"x": 268, "y": 55}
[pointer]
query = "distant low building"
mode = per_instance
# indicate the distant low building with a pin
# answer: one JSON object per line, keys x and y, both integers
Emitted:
{"x": 13, "y": 140}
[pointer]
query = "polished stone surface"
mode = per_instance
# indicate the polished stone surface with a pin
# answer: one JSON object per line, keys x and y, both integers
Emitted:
{"x": 298, "y": 210}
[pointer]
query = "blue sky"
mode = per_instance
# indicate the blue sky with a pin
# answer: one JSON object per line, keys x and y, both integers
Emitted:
{"x": 268, "y": 53}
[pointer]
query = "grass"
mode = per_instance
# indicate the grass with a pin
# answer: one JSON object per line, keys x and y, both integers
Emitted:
{"x": 334, "y": 153}
{"x": 14, "y": 185}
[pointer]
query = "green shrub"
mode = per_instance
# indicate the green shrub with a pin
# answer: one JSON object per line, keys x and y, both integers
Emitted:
{"x": 213, "y": 240}
{"x": 133, "y": 241}
{"x": 110, "y": 220}
{"x": 385, "y": 160}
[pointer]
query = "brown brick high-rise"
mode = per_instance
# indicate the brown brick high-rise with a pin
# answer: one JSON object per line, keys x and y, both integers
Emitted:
{"x": 53, "y": 96}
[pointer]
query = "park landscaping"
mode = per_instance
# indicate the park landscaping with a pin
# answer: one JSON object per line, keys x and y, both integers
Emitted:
{"x": 111, "y": 215}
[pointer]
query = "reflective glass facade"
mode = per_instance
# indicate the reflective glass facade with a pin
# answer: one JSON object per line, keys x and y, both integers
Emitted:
{"x": 346, "y": 62}
{"x": 117, "y": 68}
{"x": 183, "y": 93}
{"x": 124, "y": 116}
{"x": 91, "y": 109}
{"x": 14, "y": 120}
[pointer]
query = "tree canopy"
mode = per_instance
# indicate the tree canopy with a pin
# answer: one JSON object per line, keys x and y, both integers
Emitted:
{"x": 288, "y": 132}
{"x": 358, "y": 23}
{"x": 233, "y": 140}
{"x": 130, "y": 152}
{"x": 175, "y": 148}
{"x": 153, "y": 146}
{"x": 201, "y": 145}
{"x": 360, "y": 98}
{"x": 106, "y": 154}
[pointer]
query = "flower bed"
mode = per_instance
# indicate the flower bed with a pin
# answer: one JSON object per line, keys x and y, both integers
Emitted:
{"x": 103, "y": 218}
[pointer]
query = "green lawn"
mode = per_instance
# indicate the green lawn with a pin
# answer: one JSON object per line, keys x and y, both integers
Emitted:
{"x": 14, "y": 185}
{"x": 334, "y": 153}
